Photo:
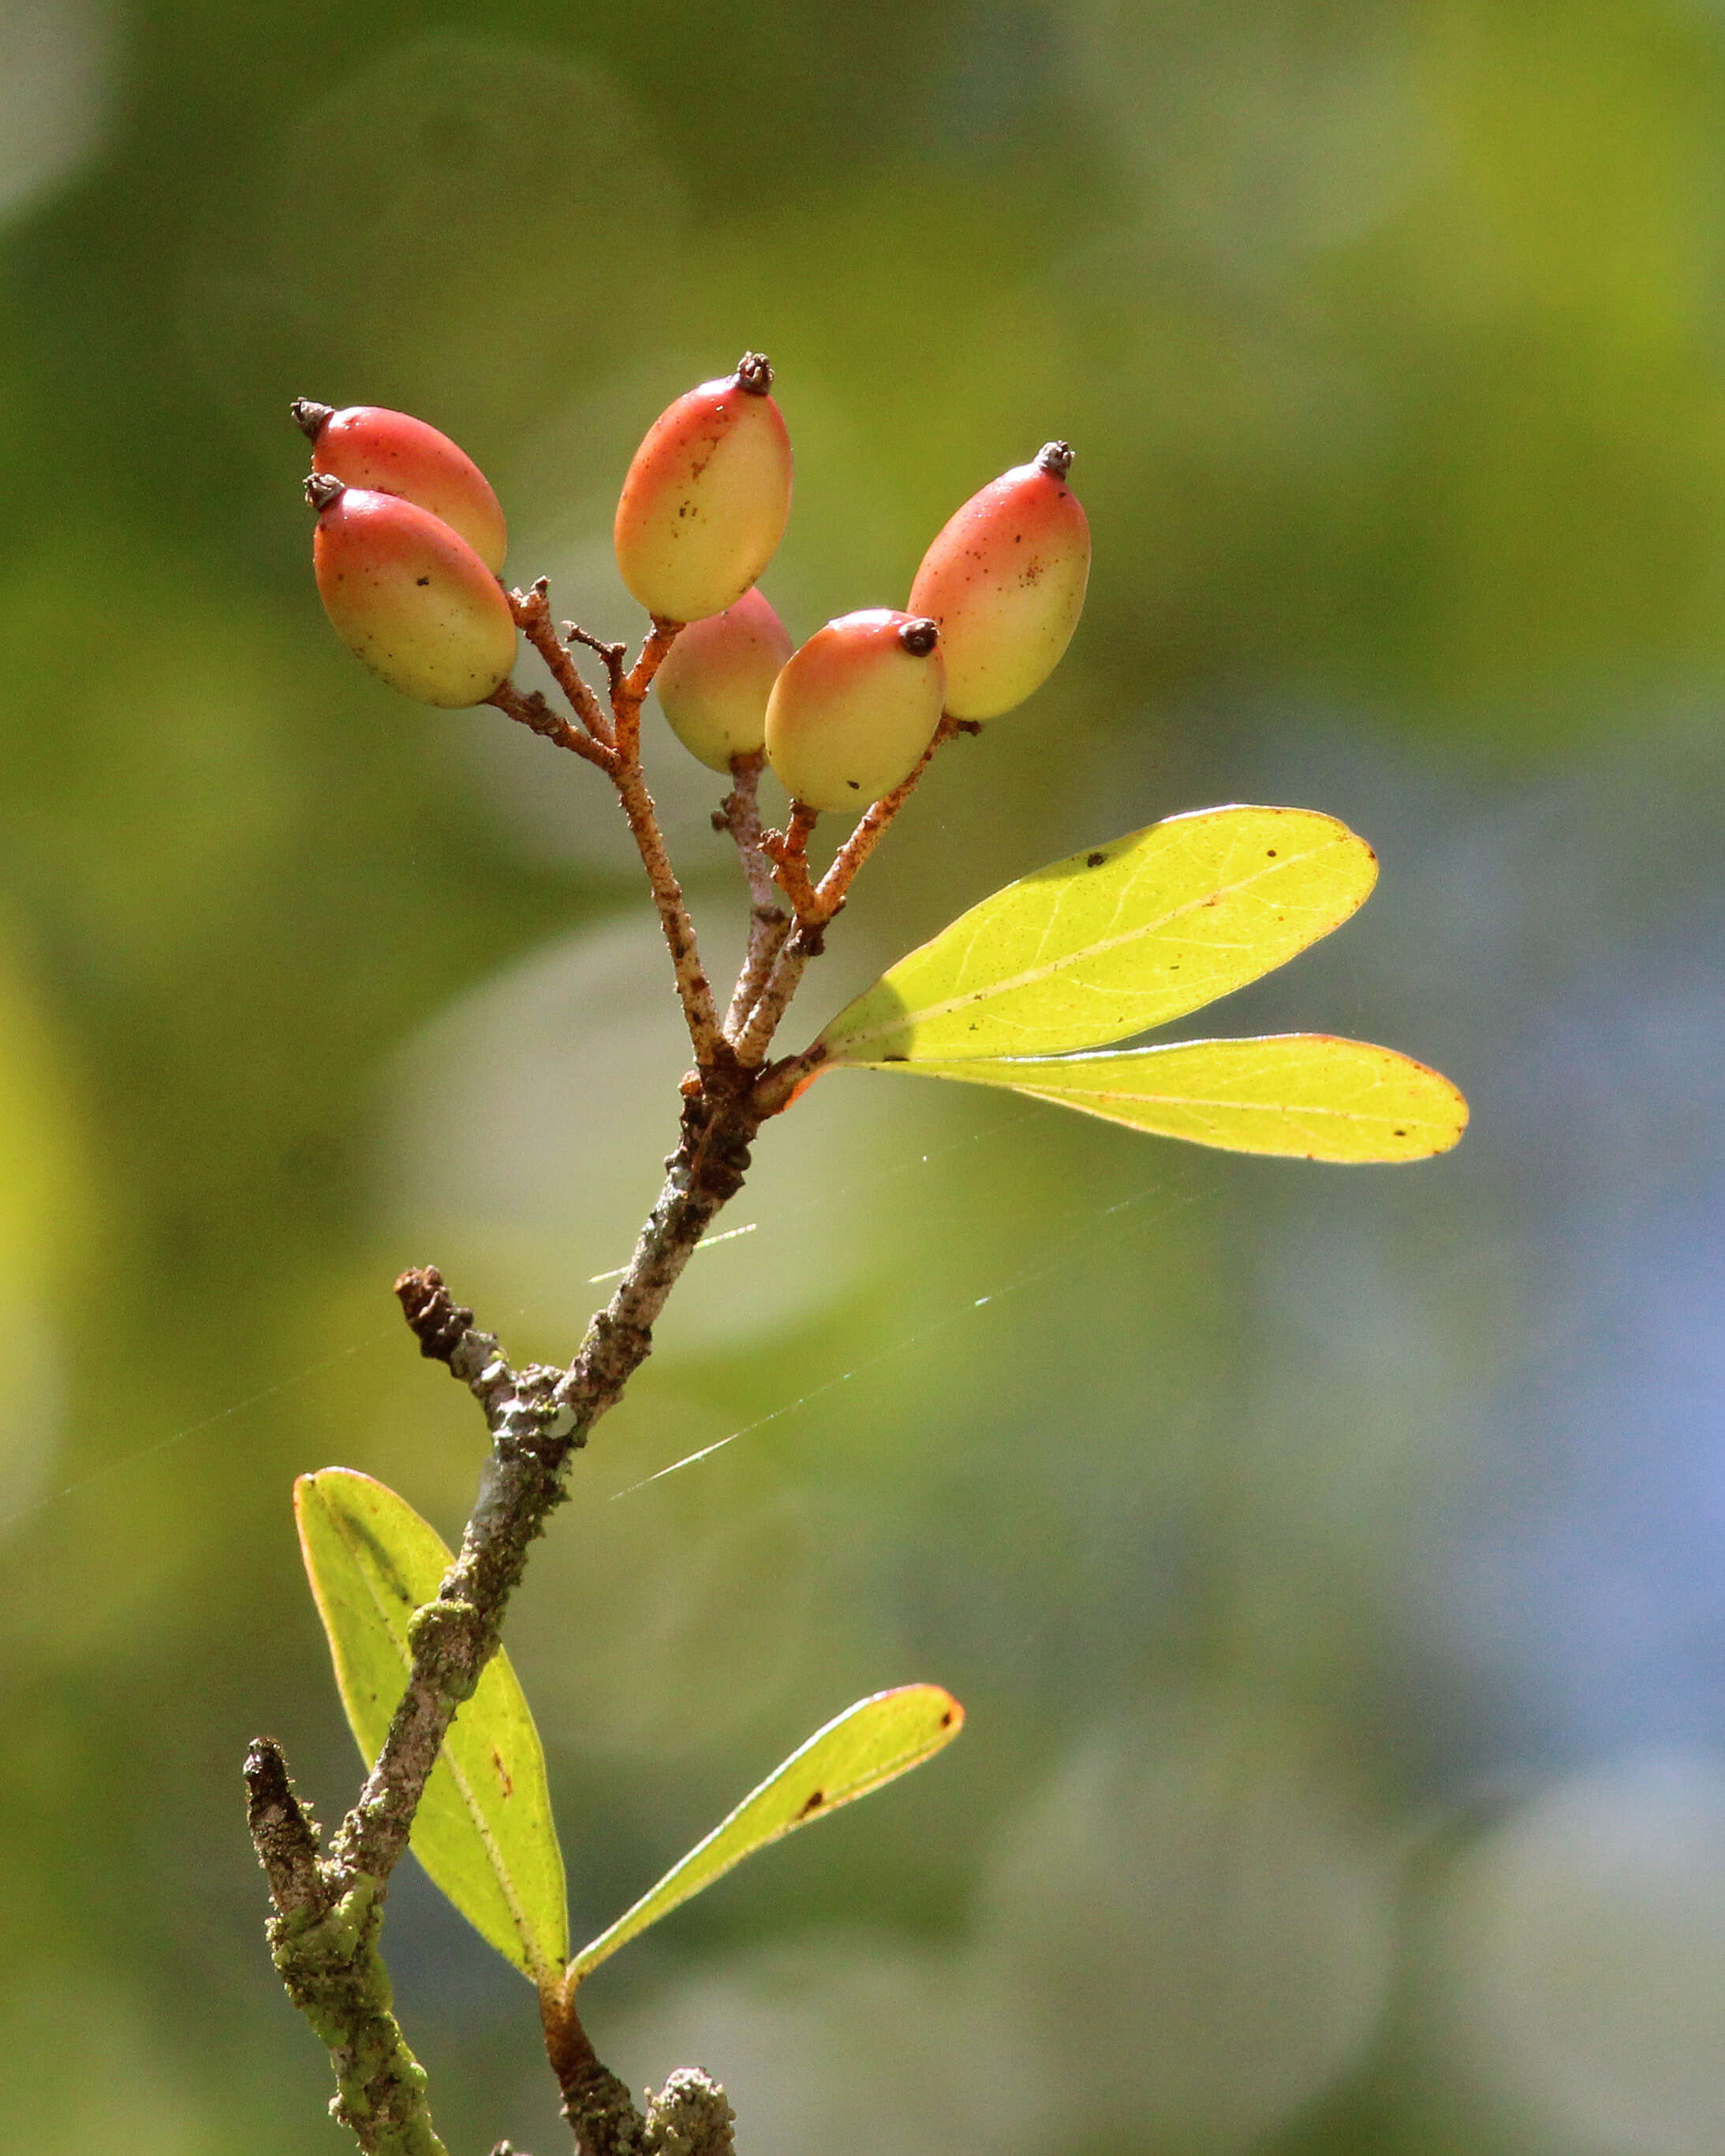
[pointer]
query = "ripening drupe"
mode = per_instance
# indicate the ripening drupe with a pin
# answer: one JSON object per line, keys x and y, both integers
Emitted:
{"x": 392, "y": 452}
{"x": 1005, "y": 580}
{"x": 715, "y": 683}
{"x": 855, "y": 707}
{"x": 409, "y": 596}
{"x": 706, "y": 499}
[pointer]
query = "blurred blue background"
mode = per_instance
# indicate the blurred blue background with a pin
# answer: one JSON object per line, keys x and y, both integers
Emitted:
{"x": 1329, "y": 1561}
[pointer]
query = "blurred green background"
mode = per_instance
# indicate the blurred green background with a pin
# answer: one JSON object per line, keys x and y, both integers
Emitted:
{"x": 1329, "y": 1561}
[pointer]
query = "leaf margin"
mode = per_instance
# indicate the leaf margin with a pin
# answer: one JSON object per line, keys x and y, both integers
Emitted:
{"x": 840, "y": 1040}
{"x": 1015, "y": 1074}
{"x": 667, "y": 1894}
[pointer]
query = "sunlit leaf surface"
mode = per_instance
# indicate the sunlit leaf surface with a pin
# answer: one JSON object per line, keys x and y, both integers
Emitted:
{"x": 1116, "y": 939}
{"x": 484, "y": 1831}
{"x": 868, "y": 1744}
{"x": 1307, "y": 1095}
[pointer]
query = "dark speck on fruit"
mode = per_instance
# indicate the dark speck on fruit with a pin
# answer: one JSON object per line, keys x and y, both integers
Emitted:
{"x": 1094, "y": 860}
{"x": 422, "y": 580}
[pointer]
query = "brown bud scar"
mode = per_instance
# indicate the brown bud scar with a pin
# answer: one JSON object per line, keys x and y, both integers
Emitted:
{"x": 920, "y": 637}
{"x": 437, "y": 1320}
{"x": 310, "y": 418}
{"x": 1055, "y": 459}
{"x": 754, "y": 373}
{"x": 323, "y": 488}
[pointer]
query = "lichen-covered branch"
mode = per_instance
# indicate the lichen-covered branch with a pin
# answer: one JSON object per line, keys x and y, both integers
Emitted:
{"x": 324, "y": 1942}
{"x": 689, "y": 2117}
{"x": 329, "y": 1908}
{"x": 600, "y": 2111}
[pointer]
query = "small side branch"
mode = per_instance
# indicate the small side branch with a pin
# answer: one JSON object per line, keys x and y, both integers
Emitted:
{"x": 815, "y": 910}
{"x": 782, "y": 981}
{"x": 693, "y": 988}
{"x": 790, "y": 852}
{"x": 614, "y": 745}
{"x": 740, "y": 815}
{"x": 532, "y": 616}
{"x": 323, "y": 1940}
{"x": 631, "y": 691}
{"x": 283, "y": 1832}
{"x": 868, "y": 834}
{"x": 528, "y": 708}
{"x": 613, "y": 655}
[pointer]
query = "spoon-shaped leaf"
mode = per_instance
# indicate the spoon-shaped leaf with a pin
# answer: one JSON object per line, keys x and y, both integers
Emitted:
{"x": 1111, "y": 941}
{"x": 484, "y": 1828}
{"x": 1307, "y": 1095}
{"x": 867, "y": 1745}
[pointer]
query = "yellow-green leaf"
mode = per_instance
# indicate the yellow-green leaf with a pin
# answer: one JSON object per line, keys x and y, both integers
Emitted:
{"x": 868, "y": 1744}
{"x": 1114, "y": 941}
{"x": 1307, "y": 1095}
{"x": 484, "y": 1829}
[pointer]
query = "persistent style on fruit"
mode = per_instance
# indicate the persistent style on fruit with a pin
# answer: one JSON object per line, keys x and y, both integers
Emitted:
{"x": 392, "y": 452}
{"x": 707, "y": 497}
{"x": 855, "y": 708}
{"x": 407, "y": 594}
{"x": 1005, "y": 580}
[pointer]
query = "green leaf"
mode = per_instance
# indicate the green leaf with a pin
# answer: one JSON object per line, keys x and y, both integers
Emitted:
{"x": 1307, "y": 1095}
{"x": 484, "y": 1829}
{"x": 1114, "y": 941}
{"x": 868, "y": 1744}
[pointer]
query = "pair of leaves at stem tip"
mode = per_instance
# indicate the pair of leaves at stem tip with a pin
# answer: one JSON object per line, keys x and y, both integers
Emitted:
{"x": 1130, "y": 934}
{"x": 484, "y": 1830}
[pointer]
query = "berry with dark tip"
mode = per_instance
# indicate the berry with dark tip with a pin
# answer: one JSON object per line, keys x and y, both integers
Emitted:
{"x": 855, "y": 707}
{"x": 706, "y": 499}
{"x": 392, "y": 452}
{"x": 1005, "y": 580}
{"x": 408, "y": 595}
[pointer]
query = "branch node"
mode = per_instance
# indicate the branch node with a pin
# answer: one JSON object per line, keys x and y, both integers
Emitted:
{"x": 597, "y": 2105}
{"x": 613, "y": 655}
{"x": 283, "y": 1832}
{"x": 689, "y": 2117}
{"x": 437, "y": 1320}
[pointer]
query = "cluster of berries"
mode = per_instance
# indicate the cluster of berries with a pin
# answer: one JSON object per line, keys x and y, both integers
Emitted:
{"x": 410, "y": 539}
